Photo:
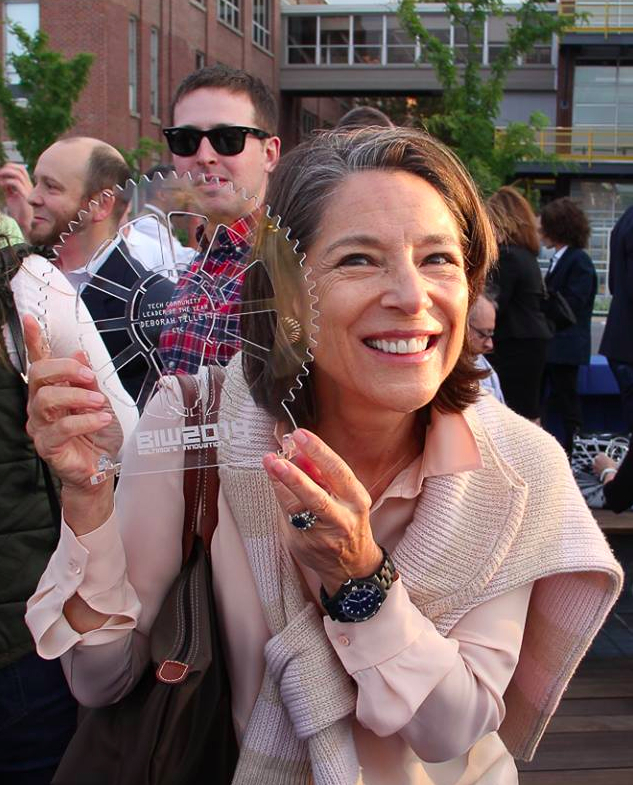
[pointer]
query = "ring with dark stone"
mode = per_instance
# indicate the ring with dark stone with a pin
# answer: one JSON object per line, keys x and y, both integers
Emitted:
{"x": 303, "y": 520}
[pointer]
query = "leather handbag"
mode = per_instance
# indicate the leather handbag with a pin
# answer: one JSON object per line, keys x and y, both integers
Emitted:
{"x": 175, "y": 727}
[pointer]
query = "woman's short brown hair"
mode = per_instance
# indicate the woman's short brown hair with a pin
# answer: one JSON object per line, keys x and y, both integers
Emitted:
{"x": 513, "y": 220}
{"x": 564, "y": 222}
{"x": 298, "y": 192}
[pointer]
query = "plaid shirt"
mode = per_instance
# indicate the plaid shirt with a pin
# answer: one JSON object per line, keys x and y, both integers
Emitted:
{"x": 205, "y": 324}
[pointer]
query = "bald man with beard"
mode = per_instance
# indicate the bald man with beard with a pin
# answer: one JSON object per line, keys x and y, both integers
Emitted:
{"x": 75, "y": 177}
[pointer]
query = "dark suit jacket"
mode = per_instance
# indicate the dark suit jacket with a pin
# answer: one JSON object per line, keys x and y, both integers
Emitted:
{"x": 120, "y": 269}
{"x": 518, "y": 278}
{"x": 574, "y": 276}
{"x": 617, "y": 341}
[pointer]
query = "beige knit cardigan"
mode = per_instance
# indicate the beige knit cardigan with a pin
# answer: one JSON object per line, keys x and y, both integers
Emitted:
{"x": 474, "y": 536}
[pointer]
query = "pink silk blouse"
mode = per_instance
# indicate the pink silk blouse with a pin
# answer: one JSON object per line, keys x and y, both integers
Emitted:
{"x": 428, "y": 706}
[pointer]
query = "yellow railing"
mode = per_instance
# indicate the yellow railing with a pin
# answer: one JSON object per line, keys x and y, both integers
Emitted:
{"x": 612, "y": 16}
{"x": 586, "y": 145}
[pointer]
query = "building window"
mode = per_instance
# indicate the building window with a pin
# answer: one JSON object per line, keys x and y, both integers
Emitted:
{"x": 229, "y": 13}
{"x": 200, "y": 60}
{"x": 261, "y": 23}
{"x": 367, "y": 32}
{"x": 27, "y": 15}
{"x": 401, "y": 48}
{"x": 302, "y": 32}
{"x": 154, "y": 65}
{"x": 309, "y": 122}
{"x": 133, "y": 63}
{"x": 335, "y": 40}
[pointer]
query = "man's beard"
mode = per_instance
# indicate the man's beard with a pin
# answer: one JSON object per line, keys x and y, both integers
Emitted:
{"x": 49, "y": 234}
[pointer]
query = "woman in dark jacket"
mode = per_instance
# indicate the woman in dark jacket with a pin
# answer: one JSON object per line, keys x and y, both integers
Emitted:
{"x": 565, "y": 227}
{"x": 521, "y": 332}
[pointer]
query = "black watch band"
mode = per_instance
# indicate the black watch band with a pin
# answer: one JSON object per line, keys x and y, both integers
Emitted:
{"x": 358, "y": 599}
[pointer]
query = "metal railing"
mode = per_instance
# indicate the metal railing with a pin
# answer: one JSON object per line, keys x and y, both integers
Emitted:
{"x": 586, "y": 145}
{"x": 612, "y": 16}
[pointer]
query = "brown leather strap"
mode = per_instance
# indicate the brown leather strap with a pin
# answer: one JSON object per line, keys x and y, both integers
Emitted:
{"x": 200, "y": 480}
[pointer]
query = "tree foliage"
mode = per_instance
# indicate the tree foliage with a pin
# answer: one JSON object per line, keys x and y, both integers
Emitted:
{"x": 136, "y": 157}
{"x": 49, "y": 85}
{"x": 471, "y": 97}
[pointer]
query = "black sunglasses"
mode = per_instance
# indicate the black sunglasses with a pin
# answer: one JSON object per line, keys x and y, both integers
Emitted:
{"x": 225, "y": 140}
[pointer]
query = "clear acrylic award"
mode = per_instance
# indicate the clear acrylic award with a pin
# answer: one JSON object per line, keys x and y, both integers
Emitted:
{"x": 182, "y": 288}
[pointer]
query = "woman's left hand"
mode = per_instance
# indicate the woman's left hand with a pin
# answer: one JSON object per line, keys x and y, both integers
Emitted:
{"x": 340, "y": 545}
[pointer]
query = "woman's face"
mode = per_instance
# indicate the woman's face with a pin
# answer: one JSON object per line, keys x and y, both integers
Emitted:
{"x": 393, "y": 296}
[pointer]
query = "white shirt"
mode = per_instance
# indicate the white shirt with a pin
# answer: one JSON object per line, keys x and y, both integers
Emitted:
{"x": 154, "y": 224}
{"x": 555, "y": 257}
{"x": 41, "y": 290}
{"x": 491, "y": 384}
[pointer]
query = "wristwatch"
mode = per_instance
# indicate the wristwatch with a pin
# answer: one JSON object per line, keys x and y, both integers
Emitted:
{"x": 359, "y": 599}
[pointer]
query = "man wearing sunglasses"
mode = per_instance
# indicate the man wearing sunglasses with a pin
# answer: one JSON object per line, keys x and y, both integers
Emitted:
{"x": 224, "y": 135}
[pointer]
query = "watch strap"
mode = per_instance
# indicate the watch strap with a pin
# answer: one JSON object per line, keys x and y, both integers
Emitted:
{"x": 383, "y": 577}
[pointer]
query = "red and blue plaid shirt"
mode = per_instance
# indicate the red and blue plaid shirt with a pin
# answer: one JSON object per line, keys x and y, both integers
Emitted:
{"x": 204, "y": 320}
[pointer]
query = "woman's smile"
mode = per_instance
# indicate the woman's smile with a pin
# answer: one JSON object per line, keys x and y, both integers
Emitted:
{"x": 392, "y": 293}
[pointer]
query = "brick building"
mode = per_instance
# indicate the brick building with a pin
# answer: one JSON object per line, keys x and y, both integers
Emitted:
{"x": 143, "y": 48}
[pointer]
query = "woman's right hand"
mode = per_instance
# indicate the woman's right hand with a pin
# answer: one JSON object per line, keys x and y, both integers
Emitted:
{"x": 70, "y": 421}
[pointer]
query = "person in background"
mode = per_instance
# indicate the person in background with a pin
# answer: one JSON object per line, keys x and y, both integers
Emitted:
{"x": 83, "y": 174}
{"x": 38, "y": 713}
{"x": 363, "y": 116}
{"x": 617, "y": 481}
{"x": 17, "y": 185}
{"x": 224, "y": 136}
{"x": 521, "y": 333}
{"x": 10, "y": 232}
{"x": 151, "y": 237}
{"x": 481, "y": 329}
{"x": 565, "y": 227}
{"x": 617, "y": 339}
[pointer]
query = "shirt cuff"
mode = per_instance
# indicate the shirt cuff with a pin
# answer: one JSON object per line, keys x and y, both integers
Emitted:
{"x": 93, "y": 566}
{"x": 393, "y": 629}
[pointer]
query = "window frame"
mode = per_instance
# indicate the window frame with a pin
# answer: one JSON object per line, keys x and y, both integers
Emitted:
{"x": 132, "y": 63}
{"x": 262, "y": 30}
{"x": 230, "y": 14}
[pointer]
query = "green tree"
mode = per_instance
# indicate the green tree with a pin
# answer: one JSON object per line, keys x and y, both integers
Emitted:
{"x": 135, "y": 158}
{"x": 470, "y": 98}
{"x": 49, "y": 86}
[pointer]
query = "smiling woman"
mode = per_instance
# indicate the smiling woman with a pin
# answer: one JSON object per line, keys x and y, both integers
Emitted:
{"x": 405, "y": 598}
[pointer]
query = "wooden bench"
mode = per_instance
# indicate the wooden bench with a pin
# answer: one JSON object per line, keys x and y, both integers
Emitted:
{"x": 612, "y": 523}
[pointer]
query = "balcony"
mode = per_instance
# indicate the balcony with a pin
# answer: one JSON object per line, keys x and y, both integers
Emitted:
{"x": 587, "y": 145}
{"x": 608, "y": 18}
{"x": 363, "y": 49}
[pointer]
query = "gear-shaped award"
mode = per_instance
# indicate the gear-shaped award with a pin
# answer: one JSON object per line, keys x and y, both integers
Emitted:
{"x": 179, "y": 288}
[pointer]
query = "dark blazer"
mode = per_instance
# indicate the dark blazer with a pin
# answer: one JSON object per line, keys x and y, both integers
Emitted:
{"x": 617, "y": 341}
{"x": 518, "y": 278}
{"x": 120, "y": 274}
{"x": 574, "y": 276}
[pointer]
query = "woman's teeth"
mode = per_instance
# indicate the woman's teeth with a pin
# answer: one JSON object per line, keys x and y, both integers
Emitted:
{"x": 412, "y": 346}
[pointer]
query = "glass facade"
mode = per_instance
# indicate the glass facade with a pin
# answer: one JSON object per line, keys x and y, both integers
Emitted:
{"x": 378, "y": 39}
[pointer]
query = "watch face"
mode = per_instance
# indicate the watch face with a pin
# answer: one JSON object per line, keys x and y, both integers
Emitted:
{"x": 362, "y": 602}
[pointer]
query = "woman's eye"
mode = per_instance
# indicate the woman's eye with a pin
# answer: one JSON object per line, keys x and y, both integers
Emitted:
{"x": 354, "y": 260}
{"x": 439, "y": 258}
